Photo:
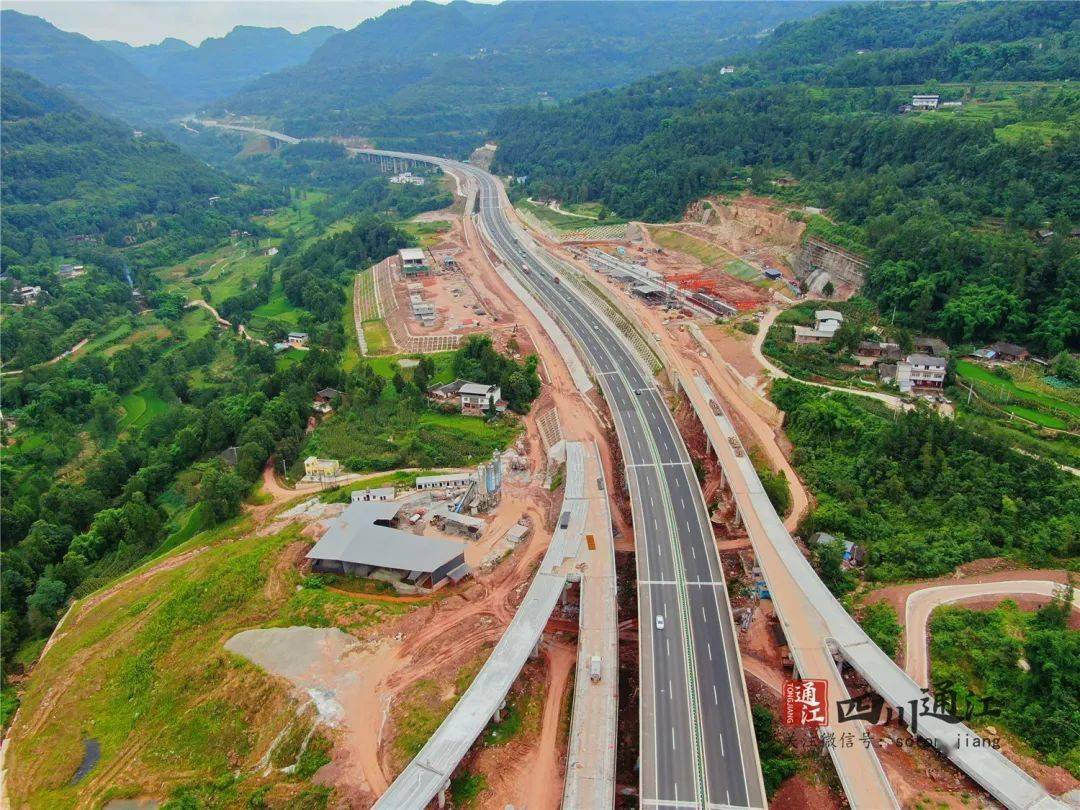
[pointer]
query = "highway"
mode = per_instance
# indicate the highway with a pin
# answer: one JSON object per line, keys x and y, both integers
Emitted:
{"x": 697, "y": 740}
{"x": 692, "y": 697}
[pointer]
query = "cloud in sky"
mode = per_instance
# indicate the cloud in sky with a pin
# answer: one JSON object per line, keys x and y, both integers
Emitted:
{"x": 142, "y": 22}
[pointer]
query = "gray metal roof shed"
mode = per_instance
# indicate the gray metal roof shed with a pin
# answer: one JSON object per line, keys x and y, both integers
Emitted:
{"x": 356, "y": 537}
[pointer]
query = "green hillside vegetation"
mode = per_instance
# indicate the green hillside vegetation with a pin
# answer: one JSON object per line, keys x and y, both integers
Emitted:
{"x": 564, "y": 222}
{"x": 998, "y": 387}
{"x": 108, "y": 450}
{"x": 389, "y": 424}
{"x": 979, "y": 654}
{"x": 944, "y": 206}
{"x": 147, "y": 667}
{"x": 431, "y": 77}
{"x": 83, "y": 188}
{"x": 921, "y": 493}
{"x": 97, "y": 77}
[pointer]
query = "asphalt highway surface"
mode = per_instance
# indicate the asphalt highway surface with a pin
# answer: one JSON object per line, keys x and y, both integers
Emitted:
{"x": 697, "y": 744}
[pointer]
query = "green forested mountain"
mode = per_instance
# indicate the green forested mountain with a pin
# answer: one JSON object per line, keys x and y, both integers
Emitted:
{"x": 79, "y": 187}
{"x": 71, "y": 176}
{"x": 946, "y": 201}
{"x": 434, "y": 75}
{"x": 891, "y": 43}
{"x": 87, "y": 70}
{"x": 220, "y": 66}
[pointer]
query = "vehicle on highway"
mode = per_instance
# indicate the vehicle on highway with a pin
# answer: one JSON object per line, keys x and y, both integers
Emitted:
{"x": 558, "y": 280}
{"x": 637, "y": 391}
{"x": 659, "y": 622}
{"x": 525, "y": 268}
{"x": 594, "y": 668}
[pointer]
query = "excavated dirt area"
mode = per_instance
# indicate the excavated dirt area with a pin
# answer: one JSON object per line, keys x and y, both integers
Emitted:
{"x": 318, "y": 661}
{"x": 528, "y": 770}
{"x": 752, "y": 227}
{"x": 438, "y": 641}
{"x": 677, "y": 263}
{"x": 734, "y": 347}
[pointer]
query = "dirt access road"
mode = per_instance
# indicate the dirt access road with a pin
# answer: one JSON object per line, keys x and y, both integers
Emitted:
{"x": 896, "y": 403}
{"x": 915, "y": 603}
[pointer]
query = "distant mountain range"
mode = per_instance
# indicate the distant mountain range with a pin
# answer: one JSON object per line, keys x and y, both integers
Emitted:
{"x": 221, "y": 66}
{"x": 152, "y": 82}
{"x": 86, "y": 70}
{"x": 425, "y": 75}
{"x": 433, "y": 76}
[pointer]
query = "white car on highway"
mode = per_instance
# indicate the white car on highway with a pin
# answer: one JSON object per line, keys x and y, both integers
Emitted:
{"x": 659, "y": 622}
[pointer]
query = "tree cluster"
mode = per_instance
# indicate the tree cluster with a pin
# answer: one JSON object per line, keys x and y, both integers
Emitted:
{"x": 920, "y": 493}
{"x": 947, "y": 205}
{"x": 477, "y": 360}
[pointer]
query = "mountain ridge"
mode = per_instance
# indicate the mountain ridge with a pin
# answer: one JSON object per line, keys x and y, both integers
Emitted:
{"x": 432, "y": 76}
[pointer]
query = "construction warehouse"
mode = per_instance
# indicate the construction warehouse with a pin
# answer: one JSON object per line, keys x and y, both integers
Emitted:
{"x": 363, "y": 542}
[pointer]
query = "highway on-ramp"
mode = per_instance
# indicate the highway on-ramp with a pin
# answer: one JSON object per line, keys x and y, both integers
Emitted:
{"x": 697, "y": 739}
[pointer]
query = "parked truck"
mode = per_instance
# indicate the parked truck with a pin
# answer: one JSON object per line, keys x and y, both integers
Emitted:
{"x": 594, "y": 668}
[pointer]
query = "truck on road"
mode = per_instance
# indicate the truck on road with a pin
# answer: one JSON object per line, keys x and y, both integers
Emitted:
{"x": 594, "y": 668}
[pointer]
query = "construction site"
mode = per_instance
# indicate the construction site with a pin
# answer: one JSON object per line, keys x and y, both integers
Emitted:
{"x": 426, "y": 300}
{"x": 654, "y": 286}
{"x": 722, "y": 260}
{"x": 484, "y": 559}
{"x": 504, "y": 513}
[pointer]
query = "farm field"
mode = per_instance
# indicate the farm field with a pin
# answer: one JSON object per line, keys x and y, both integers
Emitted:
{"x": 1007, "y": 387}
{"x": 197, "y": 323}
{"x": 278, "y": 308}
{"x": 117, "y": 330}
{"x": 1038, "y": 417}
{"x": 428, "y": 234}
{"x": 153, "y": 330}
{"x": 225, "y": 271}
{"x": 141, "y": 408}
{"x": 289, "y": 358}
{"x": 297, "y": 217}
{"x": 1009, "y": 116}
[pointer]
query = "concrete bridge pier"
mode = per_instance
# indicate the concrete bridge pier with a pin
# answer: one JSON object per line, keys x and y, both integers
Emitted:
{"x": 497, "y": 717}
{"x": 536, "y": 649}
{"x": 442, "y": 794}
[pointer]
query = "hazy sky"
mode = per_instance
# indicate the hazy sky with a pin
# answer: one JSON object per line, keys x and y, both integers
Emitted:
{"x": 141, "y": 22}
